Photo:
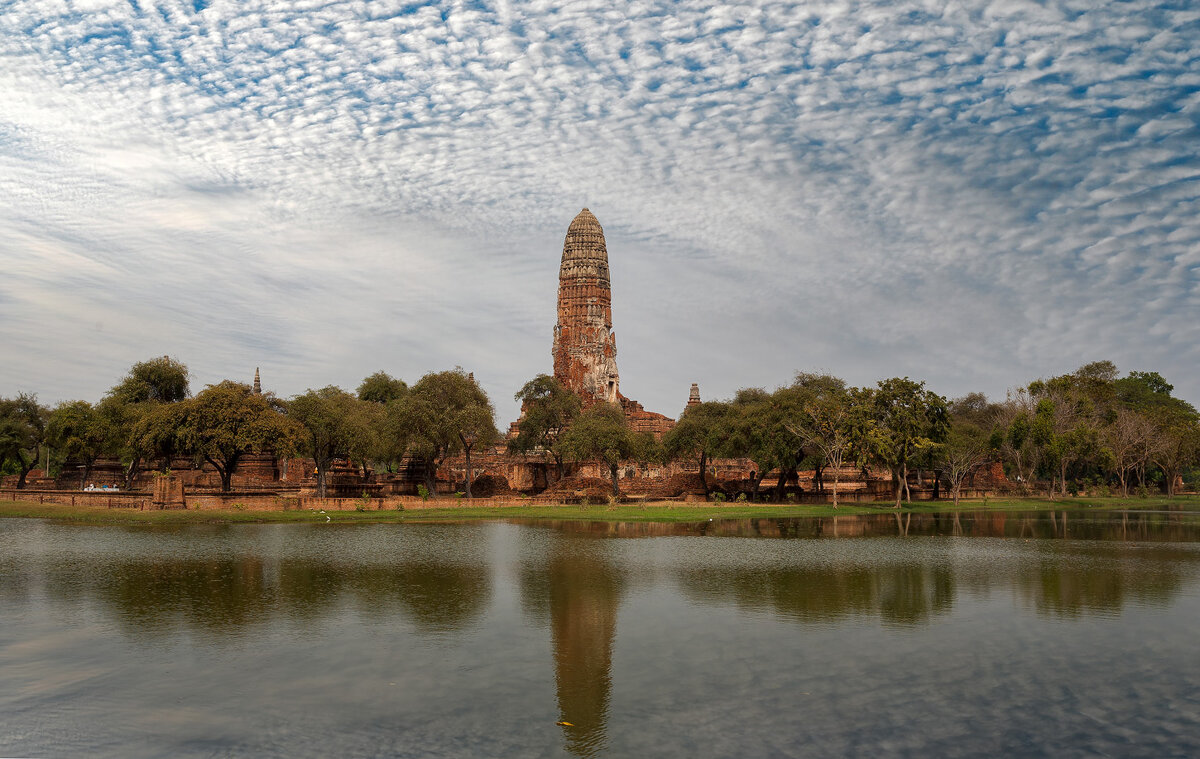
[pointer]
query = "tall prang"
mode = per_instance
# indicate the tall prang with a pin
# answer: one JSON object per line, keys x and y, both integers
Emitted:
{"x": 585, "y": 346}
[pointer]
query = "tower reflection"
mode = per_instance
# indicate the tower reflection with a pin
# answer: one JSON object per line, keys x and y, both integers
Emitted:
{"x": 580, "y": 589}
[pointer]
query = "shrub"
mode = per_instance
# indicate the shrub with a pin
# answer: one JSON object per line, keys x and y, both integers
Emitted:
{"x": 718, "y": 497}
{"x": 423, "y": 492}
{"x": 741, "y": 498}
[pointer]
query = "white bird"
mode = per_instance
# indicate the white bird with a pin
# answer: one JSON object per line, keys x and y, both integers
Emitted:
{"x": 327, "y": 518}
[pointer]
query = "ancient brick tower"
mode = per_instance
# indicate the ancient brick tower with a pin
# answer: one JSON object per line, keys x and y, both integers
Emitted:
{"x": 585, "y": 348}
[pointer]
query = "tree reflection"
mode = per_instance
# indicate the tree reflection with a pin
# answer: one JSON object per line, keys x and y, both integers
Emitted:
{"x": 902, "y": 595}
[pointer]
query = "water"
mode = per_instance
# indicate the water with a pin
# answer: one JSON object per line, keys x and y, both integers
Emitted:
{"x": 929, "y": 636}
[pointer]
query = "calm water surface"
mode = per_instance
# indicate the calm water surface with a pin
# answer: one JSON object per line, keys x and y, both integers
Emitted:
{"x": 1071, "y": 635}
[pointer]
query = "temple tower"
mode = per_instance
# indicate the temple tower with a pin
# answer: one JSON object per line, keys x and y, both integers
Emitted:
{"x": 585, "y": 347}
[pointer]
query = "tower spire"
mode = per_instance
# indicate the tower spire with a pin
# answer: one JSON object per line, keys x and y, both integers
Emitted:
{"x": 257, "y": 383}
{"x": 585, "y": 347}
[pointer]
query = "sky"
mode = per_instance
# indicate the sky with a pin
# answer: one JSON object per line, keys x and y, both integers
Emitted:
{"x": 973, "y": 194}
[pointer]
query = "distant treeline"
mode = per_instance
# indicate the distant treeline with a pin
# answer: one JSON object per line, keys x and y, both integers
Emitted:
{"x": 1089, "y": 429}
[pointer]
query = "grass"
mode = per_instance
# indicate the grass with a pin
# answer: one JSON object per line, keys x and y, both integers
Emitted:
{"x": 651, "y": 512}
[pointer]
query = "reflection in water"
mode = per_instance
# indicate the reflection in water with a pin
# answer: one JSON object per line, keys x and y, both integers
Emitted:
{"x": 901, "y": 595}
{"x": 227, "y": 587}
{"x": 580, "y": 589}
{"x": 437, "y": 591}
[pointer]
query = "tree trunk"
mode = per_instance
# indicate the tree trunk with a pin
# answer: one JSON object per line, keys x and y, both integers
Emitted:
{"x": 757, "y": 482}
{"x": 25, "y": 470}
{"x": 835, "y": 484}
{"x": 131, "y": 471}
{"x": 322, "y": 469}
{"x": 612, "y": 470}
{"x": 470, "y": 474}
{"x": 937, "y": 484}
{"x": 704, "y": 472}
{"x": 431, "y": 476}
{"x": 897, "y": 487}
{"x": 907, "y": 492}
{"x": 957, "y": 487}
{"x": 87, "y": 472}
{"x": 780, "y": 484}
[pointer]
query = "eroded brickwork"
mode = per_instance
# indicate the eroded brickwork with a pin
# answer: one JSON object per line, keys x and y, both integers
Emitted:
{"x": 585, "y": 347}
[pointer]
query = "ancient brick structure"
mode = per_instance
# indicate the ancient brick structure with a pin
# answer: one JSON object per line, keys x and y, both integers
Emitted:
{"x": 585, "y": 347}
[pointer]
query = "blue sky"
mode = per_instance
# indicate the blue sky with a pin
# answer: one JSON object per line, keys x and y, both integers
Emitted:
{"x": 971, "y": 193}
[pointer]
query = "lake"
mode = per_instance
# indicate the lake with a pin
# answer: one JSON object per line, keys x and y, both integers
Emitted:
{"x": 1051, "y": 634}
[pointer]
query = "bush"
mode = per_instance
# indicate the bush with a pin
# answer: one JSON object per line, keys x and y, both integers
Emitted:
{"x": 741, "y": 498}
{"x": 423, "y": 492}
{"x": 718, "y": 496}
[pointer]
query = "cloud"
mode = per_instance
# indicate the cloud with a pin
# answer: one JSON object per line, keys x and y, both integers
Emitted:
{"x": 976, "y": 194}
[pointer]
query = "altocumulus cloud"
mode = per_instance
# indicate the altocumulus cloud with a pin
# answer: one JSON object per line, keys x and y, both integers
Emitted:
{"x": 973, "y": 193}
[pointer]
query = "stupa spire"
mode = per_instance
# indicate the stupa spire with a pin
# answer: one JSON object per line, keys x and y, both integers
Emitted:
{"x": 585, "y": 347}
{"x": 257, "y": 383}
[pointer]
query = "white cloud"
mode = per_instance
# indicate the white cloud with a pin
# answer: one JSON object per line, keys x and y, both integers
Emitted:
{"x": 975, "y": 193}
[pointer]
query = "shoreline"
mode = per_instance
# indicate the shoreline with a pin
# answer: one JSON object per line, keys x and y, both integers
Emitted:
{"x": 655, "y": 511}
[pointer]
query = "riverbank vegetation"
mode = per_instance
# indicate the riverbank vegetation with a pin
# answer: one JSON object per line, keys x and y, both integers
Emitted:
{"x": 1091, "y": 432}
{"x": 655, "y": 511}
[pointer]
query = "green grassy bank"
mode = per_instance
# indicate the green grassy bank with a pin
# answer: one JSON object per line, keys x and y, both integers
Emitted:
{"x": 651, "y": 512}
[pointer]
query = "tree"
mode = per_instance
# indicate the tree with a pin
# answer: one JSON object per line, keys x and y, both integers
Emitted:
{"x": 444, "y": 413}
{"x": 158, "y": 380}
{"x": 381, "y": 388}
{"x": 336, "y": 425}
{"x": 79, "y": 432}
{"x": 128, "y": 404}
{"x": 698, "y": 433}
{"x": 907, "y": 418}
{"x": 225, "y": 421}
{"x": 547, "y": 410}
{"x": 965, "y": 449}
{"x": 1128, "y": 444}
{"x": 829, "y": 425}
{"x": 601, "y": 433}
{"x": 22, "y": 433}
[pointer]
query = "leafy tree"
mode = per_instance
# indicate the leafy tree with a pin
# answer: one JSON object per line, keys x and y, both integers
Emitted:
{"x": 698, "y": 433}
{"x": 964, "y": 450}
{"x": 547, "y": 410}
{"x": 382, "y": 388}
{"x": 158, "y": 380}
{"x": 833, "y": 425}
{"x": 336, "y": 424}
{"x": 225, "y": 421}
{"x": 23, "y": 430}
{"x": 445, "y": 413}
{"x": 148, "y": 385}
{"x": 1128, "y": 444}
{"x": 79, "y": 432}
{"x": 600, "y": 433}
{"x": 907, "y": 418}
{"x": 756, "y": 428}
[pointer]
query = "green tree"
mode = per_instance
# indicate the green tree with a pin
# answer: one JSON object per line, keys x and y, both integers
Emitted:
{"x": 225, "y": 421}
{"x": 547, "y": 410}
{"x": 443, "y": 414}
{"x": 699, "y": 433}
{"x": 23, "y": 431}
{"x": 157, "y": 380}
{"x": 908, "y": 418}
{"x": 832, "y": 425}
{"x": 965, "y": 449}
{"x": 381, "y": 388}
{"x": 78, "y": 432}
{"x": 600, "y": 433}
{"x": 336, "y": 424}
{"x": 130, "y": 408}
